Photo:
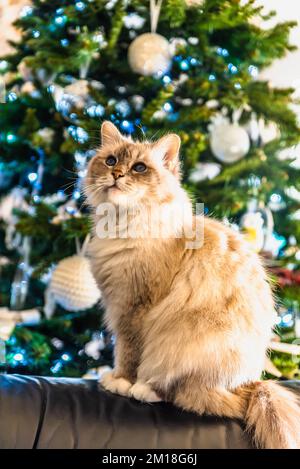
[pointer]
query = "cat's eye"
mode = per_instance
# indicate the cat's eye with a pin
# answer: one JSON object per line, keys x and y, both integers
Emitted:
{"x": 111, "y": 160}
{"x": 139, "y": 167}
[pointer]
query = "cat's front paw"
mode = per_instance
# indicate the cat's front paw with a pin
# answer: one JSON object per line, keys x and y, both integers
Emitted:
{"x": 143, "y": 392}
{"x": 115, "y": 385}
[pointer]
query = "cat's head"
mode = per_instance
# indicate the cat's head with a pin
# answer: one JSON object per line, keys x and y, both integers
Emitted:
{"x": 127, "y": 172}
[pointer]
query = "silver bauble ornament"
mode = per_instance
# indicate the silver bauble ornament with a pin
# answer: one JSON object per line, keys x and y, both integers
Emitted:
{"x": 150, "y": 54}
{"x": 229, "y": 142}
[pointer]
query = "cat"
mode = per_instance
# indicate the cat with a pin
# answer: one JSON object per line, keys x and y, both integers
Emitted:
{"x": 192, "y": 325}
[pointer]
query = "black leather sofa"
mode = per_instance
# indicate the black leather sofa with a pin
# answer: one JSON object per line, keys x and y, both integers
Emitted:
{"x": 38, "y": 412}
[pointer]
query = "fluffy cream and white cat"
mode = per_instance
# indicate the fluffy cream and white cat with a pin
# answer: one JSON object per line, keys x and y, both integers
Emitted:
{"x": 192, "y": 325}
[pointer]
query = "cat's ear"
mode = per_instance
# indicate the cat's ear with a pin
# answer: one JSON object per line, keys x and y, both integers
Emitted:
{"x": 167, "y": 149}
{"x": 110, "y": 134}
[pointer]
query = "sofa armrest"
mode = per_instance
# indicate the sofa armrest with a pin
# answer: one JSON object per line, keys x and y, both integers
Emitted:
{"x": 38, "y": 412}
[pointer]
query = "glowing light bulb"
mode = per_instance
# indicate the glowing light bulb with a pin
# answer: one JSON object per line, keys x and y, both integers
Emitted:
{"x": 32, "y": 177}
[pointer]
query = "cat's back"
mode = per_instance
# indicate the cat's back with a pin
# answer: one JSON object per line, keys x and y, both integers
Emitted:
{"x": 223, "y": 244}
{"x": 227, "y": 261}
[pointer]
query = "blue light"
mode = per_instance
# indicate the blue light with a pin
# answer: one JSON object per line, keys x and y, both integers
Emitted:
{"x": 166, "y": 79}
{"x": 212, "y": 77}
{"x": 12, "y": 96}
{"x": 123, "y": 108}
{"x": 71, "y": 210}
{"x": 280, "y": 240}
{"x": 60, "y": 20}
{"x": 59, "y": 11}
{"x": 78, "y": 133}
{"x": 223, "y": 52}
{"x": 26, "y": 11}
{"x": 253, "y": 70}
{"x": 65, "y": 42}
{"x": 3, "y": 65}
{"x": 66, "y": 357}
{"x": 36, "y": 198}
{"x": 287, "y": 318}
{"x": 127, "y": 126}
{"x": 82, "y": 135}
{"x": 19, "y": 357}
{"x": 36, "y": 33}
{"x": 32, "y": 177}
{"x": 64, "y": 105}
{"x": 56, "y": 368}
{"x": 168, "y": 107}
{"x": 184, "y": 65}
{"x": 80, "y": 6}
{"x": 11, "y": 138}
{"x": 76, "y": 195}
{"x": 232, "y": 68}
{"x": 80, "y": 158}
{"x": 276, "y": 198}
{"x": 12, "y": 341}
{"x": 194, "y": 61}
{"x": 177, "y": 58}
{"x": 82, "y": 173}
{"x": 96, "y": 110}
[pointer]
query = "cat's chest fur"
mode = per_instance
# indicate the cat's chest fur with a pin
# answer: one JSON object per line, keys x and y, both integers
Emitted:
{"x": 130, "y": 273}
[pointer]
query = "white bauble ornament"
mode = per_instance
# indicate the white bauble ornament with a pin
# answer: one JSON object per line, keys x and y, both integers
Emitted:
{"x": 72, "y": 285}
{"x": 229, "y": 142}
{"x": 204, "y": 171}
{"x": 268, "y": 132}
{"x": 150, "y": 54}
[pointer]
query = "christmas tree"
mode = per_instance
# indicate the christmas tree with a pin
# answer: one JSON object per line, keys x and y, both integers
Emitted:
{"x": 81, "y": 62}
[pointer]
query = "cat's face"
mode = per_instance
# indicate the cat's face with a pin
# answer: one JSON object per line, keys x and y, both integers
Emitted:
{"x": 127, "y": 172}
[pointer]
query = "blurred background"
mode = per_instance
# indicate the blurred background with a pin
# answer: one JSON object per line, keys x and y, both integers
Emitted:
{"x": 223, "y": 74}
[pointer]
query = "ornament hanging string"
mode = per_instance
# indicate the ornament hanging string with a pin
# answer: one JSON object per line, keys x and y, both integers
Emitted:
{"x": 155, "y": 7}
{"x": 81, "y": 250}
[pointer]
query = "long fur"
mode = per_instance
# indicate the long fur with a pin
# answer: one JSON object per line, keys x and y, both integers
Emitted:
{"x": 192, "y": 325}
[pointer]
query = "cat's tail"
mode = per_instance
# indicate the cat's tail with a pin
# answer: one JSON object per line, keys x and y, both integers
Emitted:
{"x": 271, "y": 412}
{"x": 272, "y": 415}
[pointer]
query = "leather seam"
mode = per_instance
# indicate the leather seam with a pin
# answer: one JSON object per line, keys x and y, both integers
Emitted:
{"x": 42, "y": 414}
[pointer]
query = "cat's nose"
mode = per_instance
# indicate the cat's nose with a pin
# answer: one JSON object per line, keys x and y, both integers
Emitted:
{"x": 117, "y": 174}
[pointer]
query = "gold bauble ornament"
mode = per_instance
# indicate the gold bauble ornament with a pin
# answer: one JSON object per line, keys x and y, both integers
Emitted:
{"x": 150, "y": 54}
